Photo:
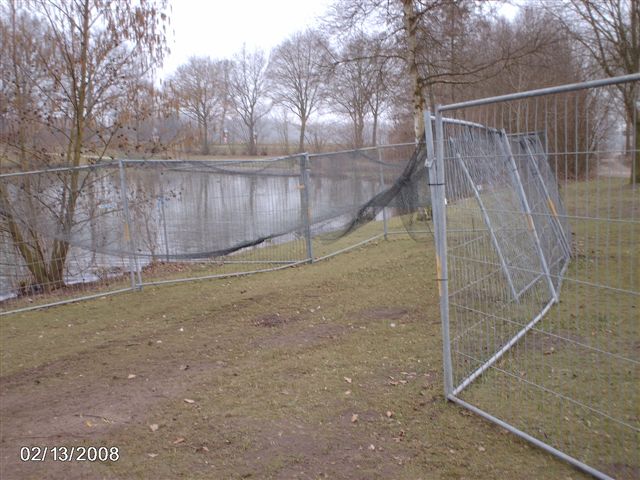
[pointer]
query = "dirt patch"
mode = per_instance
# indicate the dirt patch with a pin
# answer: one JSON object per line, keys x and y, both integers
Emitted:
{"x": 289, "y": 449}
{"x": 622, "y": 471}
{"x": 272, "y": 320}
{"x": 549, "y": 343}
{"x": 307, "y": 337}
{"x": 50, "y": 406}
{"x": 383, "y": 313}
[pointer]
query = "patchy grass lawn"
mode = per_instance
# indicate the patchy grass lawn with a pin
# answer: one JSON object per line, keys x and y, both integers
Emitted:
{"x": 330, "y": 370}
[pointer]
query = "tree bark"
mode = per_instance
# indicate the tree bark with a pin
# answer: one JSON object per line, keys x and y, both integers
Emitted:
{"x": 635, "y": 164}
{"x": 205, "y": 137}
{"x": 374, "y": 133}
{"x": 303, "y": 125}
{"x": 410, "y": 23}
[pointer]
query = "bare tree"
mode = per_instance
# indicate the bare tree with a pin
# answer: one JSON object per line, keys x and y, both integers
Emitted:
{"x": 296, "y": 77}
{"x": 70, "y": 79}
{"x": 384, "y": 87}
{"x": 247, "y": 88}
{"x": 609, "y": 31}
{"x": 352, "y": 85}
{"x": 421, "y": 31}
{"x": 282, "y": 122}
{"x": 200, "y": 93}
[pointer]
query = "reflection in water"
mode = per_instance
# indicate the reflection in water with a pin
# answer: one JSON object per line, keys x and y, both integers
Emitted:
{"x": 187, "y": 212}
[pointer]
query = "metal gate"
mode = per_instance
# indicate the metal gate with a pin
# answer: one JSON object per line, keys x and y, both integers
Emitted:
{"x": 537, "y": 230}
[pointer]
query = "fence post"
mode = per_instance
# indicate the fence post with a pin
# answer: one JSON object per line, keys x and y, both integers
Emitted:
{"x": 164, "y": 223}
{"x": 435, "y": 161}
{"x": 305, "y": 206}
{"x": 128, "y": 235}
{"x": 383, "y": 185}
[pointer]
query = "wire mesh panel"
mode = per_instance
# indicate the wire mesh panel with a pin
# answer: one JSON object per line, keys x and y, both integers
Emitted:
{"x": 216, "y": 213}
{"x": 542, "y": 269}
{"x": 358, "y": 180}
{"x": 69, "y": 233}
{"x": 62, "y": 229}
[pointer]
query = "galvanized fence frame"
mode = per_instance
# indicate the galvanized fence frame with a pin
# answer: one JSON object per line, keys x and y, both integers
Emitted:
{"x": 524, "y": 365}
{"x": 126, "y": 202}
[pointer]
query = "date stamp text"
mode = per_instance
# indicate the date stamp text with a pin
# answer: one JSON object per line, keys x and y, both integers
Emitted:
{"x": 77, "y": 453}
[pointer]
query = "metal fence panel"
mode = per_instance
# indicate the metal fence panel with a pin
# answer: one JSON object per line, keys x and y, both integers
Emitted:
{"x": 136, "y": 223}
{"x": 563, "y": 375}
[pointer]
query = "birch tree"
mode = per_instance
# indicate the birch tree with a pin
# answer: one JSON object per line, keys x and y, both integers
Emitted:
{"x": 424, "y": 42}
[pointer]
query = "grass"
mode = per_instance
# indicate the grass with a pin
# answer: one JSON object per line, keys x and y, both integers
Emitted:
{"x": 329, "y": 370}
{"x": 268, "y": 256}
{"x": 276, "y": 365}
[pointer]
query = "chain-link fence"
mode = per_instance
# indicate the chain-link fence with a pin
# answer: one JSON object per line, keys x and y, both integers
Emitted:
{"x": 68, "y": 234}
{"x": 537, "y": 229}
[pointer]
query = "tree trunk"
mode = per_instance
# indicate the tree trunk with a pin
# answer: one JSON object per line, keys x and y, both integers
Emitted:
{"x": 635, "y": 162}
{"x": 359, "y": 137}
{"x": 303, "y": 125}
{"x": 61, "y": 245}
{"x": 205, "y": 137}
{"x": 253, "y": 150}
{"x": 374, "y": 133}
{"x": 410, "y": 23}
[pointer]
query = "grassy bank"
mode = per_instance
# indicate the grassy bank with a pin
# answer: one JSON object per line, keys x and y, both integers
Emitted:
{"x": 331, "y": 370}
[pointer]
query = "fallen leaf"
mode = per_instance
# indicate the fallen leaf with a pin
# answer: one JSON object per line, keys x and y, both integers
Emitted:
{"x": 347, "y": 379}
{"x": 154, "y": 427}
{"x": 178, "y": 440}
{"x": 188, "y": 400}
{"x": 88, "y": 423}
{"x": 354, "y": 418}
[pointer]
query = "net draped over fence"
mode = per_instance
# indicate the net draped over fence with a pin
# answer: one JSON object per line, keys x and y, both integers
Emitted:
{"x": 137, "y": 222}
{"x": 537, "y": 228}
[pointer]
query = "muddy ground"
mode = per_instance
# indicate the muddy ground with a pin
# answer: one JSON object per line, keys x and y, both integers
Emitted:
{"x": 331, "y": 370}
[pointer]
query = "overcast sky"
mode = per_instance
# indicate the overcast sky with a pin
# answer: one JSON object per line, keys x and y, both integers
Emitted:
{"x": 218, "y": 28}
